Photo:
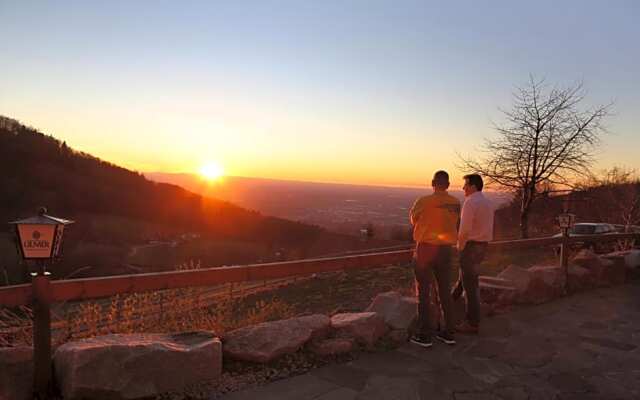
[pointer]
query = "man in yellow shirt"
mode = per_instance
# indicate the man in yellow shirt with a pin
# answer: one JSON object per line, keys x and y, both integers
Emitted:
{"x": 435, "y": 220}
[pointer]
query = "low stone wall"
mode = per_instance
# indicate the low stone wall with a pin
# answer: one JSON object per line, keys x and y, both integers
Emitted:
{"x": 142, "y": 365}
{"x": 540, "y": 284}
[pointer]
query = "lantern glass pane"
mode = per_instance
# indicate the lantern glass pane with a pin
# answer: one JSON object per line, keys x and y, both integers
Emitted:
{"x": 58, "y": 241}
{"x": 36, "y": 240}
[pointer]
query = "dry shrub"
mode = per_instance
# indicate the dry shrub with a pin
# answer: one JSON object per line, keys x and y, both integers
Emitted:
{"x": 165, "y": 311}
{"x": 267, "y": 311}
{"x": 16, "y": 327}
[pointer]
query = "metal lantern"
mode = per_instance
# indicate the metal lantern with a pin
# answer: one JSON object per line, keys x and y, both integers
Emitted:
{"x": 566, "y": 220}
{"x": 40, "y": 237}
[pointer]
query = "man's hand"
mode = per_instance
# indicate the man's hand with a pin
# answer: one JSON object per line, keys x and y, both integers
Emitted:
{"x": 461, "y": 245}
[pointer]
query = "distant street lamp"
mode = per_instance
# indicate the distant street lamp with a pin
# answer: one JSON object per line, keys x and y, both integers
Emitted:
{"x": 40, "y": 239}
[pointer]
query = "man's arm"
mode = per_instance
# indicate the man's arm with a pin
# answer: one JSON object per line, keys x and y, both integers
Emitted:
{"x": 416, "y": 211}
{"x": 466, "y": 224}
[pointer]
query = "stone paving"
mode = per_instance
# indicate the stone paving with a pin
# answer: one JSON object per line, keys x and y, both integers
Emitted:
{"x": 581, "y": 347}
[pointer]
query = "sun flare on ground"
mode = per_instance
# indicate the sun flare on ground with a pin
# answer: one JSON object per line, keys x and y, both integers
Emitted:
{"x": 211, "y": 171}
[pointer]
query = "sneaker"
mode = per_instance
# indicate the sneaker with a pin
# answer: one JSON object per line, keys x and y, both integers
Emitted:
{"x": 468, "y": 329}
{"x": 421, "y": 340}
{"x": 445, "y": 337}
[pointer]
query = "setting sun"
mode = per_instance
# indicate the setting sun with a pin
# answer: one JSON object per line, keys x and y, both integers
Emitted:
{"x": 211, "y": 171}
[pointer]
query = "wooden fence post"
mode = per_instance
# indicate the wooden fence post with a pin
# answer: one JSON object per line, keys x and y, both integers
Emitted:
{"x": 564, "y": 259}
{"x": 42, "y": 373}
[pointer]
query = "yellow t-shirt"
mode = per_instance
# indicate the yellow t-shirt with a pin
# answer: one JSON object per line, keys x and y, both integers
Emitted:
{"x": 435, "y": 219}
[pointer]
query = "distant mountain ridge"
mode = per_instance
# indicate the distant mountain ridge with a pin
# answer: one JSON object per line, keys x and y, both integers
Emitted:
{"x": 338, "y": 207}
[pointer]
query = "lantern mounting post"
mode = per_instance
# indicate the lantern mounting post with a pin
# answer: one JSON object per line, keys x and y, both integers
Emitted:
{"x": 39, "y": 240}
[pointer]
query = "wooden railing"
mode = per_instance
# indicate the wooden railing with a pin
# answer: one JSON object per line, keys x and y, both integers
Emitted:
{"x": 42, "y": 292}
{"x": 93, "y": 288}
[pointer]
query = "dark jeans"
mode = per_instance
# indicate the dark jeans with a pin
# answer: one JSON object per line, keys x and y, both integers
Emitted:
{"x": 470, "y": 257}
{"x": 433, "y": 263}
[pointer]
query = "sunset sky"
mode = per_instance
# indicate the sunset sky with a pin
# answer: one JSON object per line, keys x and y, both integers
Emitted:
{"x": 375, "y": 92}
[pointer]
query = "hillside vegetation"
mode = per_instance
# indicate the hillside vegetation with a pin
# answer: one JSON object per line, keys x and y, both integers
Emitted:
{"x": 614, "y": 201}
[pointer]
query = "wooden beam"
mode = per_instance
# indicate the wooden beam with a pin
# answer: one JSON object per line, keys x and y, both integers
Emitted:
{"x": 16, "y": 295}
{"x": 91, "y": 288}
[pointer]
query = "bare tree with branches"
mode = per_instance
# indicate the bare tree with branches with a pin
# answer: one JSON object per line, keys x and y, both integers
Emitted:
{"x": 547, "y": 140}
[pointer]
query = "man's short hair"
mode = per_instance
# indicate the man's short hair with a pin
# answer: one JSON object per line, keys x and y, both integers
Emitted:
{"x": 441, "y": 178}
{"x": 475, "y": 180}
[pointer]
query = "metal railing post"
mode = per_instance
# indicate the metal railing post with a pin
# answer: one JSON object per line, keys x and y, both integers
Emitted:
{"x": 42, "y": 373}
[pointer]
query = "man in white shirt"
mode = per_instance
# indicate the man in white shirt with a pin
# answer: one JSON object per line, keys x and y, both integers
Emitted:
{"x": 476, "y": 230}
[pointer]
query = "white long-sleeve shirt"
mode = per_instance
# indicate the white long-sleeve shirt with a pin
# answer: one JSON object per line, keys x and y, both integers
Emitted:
{"x": 476, "y": 220}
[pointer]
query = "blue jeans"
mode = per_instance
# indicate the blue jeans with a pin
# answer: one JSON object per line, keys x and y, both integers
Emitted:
{"x": 470, "y": 257}
{"x": 433, "y": 263}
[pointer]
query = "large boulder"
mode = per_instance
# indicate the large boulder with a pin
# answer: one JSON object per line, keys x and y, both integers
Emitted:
{"x": 494, "y": 290}
{"x": 320, "y": 325}
{"x": 398, "y": 336}
{"x": 632, "y": 259}
{"x": 397, "y": 311}
{"x": 137, "y": 365}
{"x": 607, "y": 271}
{"x": 16, "y": 379}
{"x": 269, "y": 340}
{"x": 615, "y": 271}
{"x": 632, "y": 263}
{"x": 519, "y": 277}
{"x": 365, "y": 327}
{"x": 585, "y": 258}
{"x": 580, "y": 279}
{"x": 547, "y": 283}
{"x": 535, "y": 285}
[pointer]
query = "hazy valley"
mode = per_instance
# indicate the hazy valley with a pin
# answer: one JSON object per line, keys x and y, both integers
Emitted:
{"x": 336, "y": 207}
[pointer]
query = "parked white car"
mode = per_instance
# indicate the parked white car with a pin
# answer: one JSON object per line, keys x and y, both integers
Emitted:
{"x": 593, "y": 228}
